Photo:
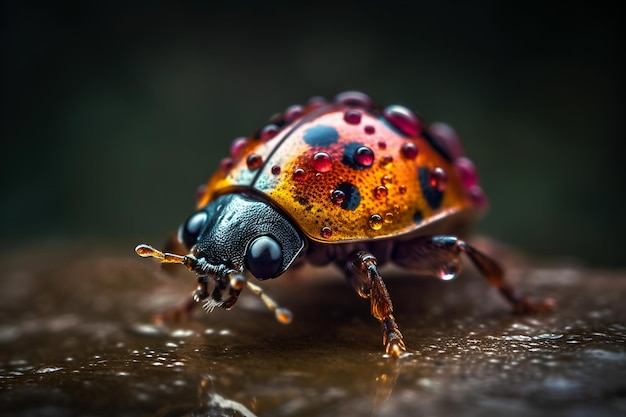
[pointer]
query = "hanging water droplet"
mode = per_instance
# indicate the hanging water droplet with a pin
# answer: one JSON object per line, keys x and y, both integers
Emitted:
{"x": 386, "y": 179}
{"x": 326, "y": 232}
{"x": 276, "y": 170}
{"x": 226, "y": 165}
{"x": 449, "y": 270}
{"x": 388, "y": 218}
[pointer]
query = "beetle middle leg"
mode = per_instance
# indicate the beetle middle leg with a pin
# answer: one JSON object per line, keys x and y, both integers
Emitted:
{"x": 441, "y": 256}
{"x": 362, "y": 273}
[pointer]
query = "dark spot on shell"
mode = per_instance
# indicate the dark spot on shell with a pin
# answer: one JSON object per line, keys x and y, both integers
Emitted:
{"x": 433, "y": 196}
{"x": 321, "y": 135}
{"x": 418, "y": 217}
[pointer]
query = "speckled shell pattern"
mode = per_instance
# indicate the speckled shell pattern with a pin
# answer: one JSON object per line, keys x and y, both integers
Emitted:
{"x": 346, "y": 171}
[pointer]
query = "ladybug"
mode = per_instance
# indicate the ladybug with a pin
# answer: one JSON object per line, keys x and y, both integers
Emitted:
{"x": 342, "y": 182}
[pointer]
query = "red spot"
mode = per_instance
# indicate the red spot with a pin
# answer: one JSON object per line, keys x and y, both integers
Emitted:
{"x": 321, "y": 162}
{"x": 369, "y": 129}
{"x": 364, "y": 156}
{"x": 404, "y": 120}
{"x": 382, "y": 145}
{"x": 352, "y": 117}
{"x": 409, "y": 150}
{"x": 326, "y": 232}
{"x": 254, "y": 161}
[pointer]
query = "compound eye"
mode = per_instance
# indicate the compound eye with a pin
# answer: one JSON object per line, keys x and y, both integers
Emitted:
{"x": 189, "y": 231}
{"x": 264, "y": 258}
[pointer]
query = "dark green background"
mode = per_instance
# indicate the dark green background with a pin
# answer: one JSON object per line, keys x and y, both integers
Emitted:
{"x": 112, "y": 114}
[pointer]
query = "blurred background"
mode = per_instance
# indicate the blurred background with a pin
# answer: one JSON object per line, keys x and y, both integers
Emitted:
{"x": 114, "y": 112}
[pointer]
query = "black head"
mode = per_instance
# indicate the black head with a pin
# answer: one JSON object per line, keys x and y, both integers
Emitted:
{"x": 243, "y": 234}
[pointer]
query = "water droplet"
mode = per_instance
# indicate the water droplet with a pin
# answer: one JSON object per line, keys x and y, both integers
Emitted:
{"x": 386, "y": 161}
{"x": 409, "y": 150}
{"x": 352, "y": 117}
{"x": 388, "y": 218}
{"x": 293, "y": 112}
{"x": 396, "y": 209}
{"x": 402, "y": 189}
{"x": 316, "y": 102}
{"x": 299, "y": 174}
{"x": 437, "y": 178}
{"x": 237, "y": 146}
{"x": 369, "y": 129}
{"x": 478, "y": 196}
{"x": 353, "y": 99}
{"x": 448, "y": 138}
{"x": 386, "y": 179}
{"x": 254, "y": 161}
{"x": 321, "y": 162}
{"x": 226, "y": 165}
{"x": 404, "y": 120}
{"x": 337, "y": 196}
{"x": 326, "y": 232}
{"x": 269, "y": 131}
{"x": 380, "y": 192}
{"x": 200, "y": 191}
{"x": 467, "y": 171}
{"x": 448, "y": 272}
{"x": 376, "y": 222}
{"x": 364, "y": 156}
{"x": 275, "y": 170}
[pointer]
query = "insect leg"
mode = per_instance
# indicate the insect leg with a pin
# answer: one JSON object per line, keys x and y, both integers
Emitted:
{"x": 440, "y": 256}
{"x": 362, "y": 273}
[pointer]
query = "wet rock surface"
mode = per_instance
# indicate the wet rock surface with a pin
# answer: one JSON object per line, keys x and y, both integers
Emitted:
{"x": 76, "y": 339}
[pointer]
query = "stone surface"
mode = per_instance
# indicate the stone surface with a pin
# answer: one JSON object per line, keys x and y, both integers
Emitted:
{"x": 76, "y": 339}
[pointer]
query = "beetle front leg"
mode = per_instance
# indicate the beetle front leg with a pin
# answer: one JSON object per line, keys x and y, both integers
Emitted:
{"x": 364, "y": 277}
{"x": 439, "y": 254}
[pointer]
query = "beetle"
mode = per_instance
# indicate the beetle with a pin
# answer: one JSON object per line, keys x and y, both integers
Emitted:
{"x": 342, "y": 182}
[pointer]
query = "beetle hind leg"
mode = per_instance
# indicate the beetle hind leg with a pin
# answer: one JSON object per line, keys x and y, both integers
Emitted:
{"x": 434, "y": 254}
{"x": 362, "y": 273}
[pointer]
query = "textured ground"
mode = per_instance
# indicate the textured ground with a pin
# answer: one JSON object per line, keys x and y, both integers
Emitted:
{"x": 76, "y": 339}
